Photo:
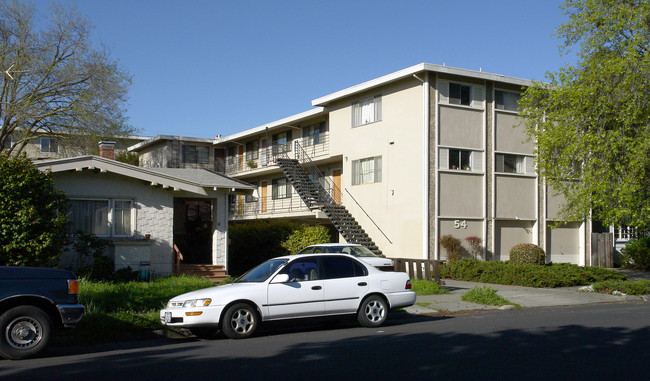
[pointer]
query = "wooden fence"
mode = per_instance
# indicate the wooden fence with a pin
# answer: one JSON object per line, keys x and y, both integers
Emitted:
{"x": 602, "y": 249}
{"x": 419, "y": 268}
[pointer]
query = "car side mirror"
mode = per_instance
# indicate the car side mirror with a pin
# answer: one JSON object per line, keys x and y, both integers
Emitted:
{"x": 281, "y": 278}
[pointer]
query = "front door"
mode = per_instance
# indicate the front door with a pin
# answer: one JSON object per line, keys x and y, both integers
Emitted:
{"x": 193, "y": 229}
{"x": 336, "y": 192}
{"x": 264, "y": 194}
{"x": 240, "y": 158}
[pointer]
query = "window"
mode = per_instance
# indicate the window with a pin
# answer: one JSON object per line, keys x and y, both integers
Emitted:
{"x": 252, "y": 197}
{"x": 49, "y": 145}
{"x": 98, "y": 216}
{"x": 252, "y": 150}
{"x": 311, "y": 134}
{"x": 509, "y": 163}
{"x": 196, "y": 154}
{"x": 281, "y": 188}
{"x": 305, "y": 269}
{"x": 366, "y": 171}
{"x": 341, "y": 267}
{"x": 122, "y": 217}
{"x": 366, "y": 111}
{"x": 459, "y": 94}
{"x": 460, "y": 159}
{"x": 231, "y": 155}
{"x": 90, "y": 216}
{"x": 506, "y": 100}
{"x": 282, "y": 142}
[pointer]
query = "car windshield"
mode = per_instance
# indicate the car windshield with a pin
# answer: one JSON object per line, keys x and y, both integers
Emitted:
{"x": 262, "y": 272}
{"x": 362, "y": 251}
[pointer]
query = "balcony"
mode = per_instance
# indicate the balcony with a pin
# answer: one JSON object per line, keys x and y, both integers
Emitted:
{"x": 240, "y": 209}
{"x": 316, "y": 146}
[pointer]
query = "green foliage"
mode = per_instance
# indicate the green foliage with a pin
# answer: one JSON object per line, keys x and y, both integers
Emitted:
{"x": 474, "y": 246}
{"x": 425, "y": 287}
{"x": 487, "y": 296}
{"x": 452, "y": 245}
{"x": 127, "y": 157}
{"x": 33, "y": 220}
{"x": 636, "y": 254}
{"x": 591, "y": 122}
{"x": 551, "y": 275}
{"x": 527, "y": 253}
{"x": 89, "y": 259}
{"x": 253, "y": 242}
{"x": 306, "y": 235}
{"x": 639, "y": 287}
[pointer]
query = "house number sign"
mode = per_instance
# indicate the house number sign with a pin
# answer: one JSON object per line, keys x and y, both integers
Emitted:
{"x": 460, "y": 224}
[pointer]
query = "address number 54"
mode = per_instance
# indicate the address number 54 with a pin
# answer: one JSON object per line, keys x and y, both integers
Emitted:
{"x": 458, "y": 224}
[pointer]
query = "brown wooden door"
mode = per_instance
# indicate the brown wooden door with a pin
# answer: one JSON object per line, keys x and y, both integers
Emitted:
{"x": 240, "y": 158}
{"x": 336, "y": 192}
{"x": 264, "y": 194}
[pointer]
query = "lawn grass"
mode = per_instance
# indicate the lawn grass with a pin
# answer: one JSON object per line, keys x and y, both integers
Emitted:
{"x": 639, "y": 287}
{"x": 487, "y": 296}
{"x": 425, "y": 287}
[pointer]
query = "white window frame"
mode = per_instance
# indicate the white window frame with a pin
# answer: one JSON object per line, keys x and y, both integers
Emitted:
{"x": 275, "y": 187}
{"x": 477, "y": 94}
{"x": 371, "y": 176}
{"x": 525, "y": 164}
{"x": 475, "y": 159}
{"x": 366, "y": 111}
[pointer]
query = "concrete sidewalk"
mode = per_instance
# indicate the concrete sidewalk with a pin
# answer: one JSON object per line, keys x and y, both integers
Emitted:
{"x": 527, "y": 297}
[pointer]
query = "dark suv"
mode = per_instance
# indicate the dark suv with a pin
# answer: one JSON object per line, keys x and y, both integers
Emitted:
{"x": 33, "y": 302}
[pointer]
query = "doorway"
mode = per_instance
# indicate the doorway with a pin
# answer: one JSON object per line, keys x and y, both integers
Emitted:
{"x": 193, "y": 229}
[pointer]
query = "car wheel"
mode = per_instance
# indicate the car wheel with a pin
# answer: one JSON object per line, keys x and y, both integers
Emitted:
{"x": 204, "y": 333}
{"x": 373, "y": 311}
{"x": 25, "y": 332}
{"x": 239, "y": 321}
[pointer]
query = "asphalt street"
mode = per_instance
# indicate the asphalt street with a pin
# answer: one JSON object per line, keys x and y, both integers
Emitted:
{"x": 590, "y": 342}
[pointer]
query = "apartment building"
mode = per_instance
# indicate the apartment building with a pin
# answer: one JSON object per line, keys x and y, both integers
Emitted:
{"x": 411, "y": 156}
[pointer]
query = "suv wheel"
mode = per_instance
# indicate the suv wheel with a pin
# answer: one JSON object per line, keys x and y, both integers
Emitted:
{"x": 25, "y": 331}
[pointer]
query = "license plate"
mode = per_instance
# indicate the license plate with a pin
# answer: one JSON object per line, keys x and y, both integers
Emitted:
{"x": 168, "y": 317}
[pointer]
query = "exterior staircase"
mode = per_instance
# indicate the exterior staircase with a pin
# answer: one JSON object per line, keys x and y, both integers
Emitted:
{"x": 316, "y": 196}
{"x": 213, "y": 272}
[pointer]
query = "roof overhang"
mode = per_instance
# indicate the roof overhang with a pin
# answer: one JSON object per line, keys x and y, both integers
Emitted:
{"x": 409, "y": 72}
{"x": 297, "y": 118}
{"x": 165, "y": 181}
{"x": 161, "y": 138}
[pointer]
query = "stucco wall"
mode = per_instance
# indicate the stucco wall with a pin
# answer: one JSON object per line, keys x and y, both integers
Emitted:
{"x": 510, "y": 233}
{"x": 461, "y": 195}
{"x": 563, "y": 243}
{"x": 515, "y": 197}
{"x": 510, "y": 135}
{"x": 461, "y": 127}
{"x": 153, "y": 207}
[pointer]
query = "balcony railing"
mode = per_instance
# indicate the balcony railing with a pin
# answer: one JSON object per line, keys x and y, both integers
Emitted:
{"x": 315, "y": 146}
{"x": 240, "y": 208}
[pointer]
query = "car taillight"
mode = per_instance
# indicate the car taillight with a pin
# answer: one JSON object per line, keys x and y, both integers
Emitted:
{"x": 408, "y": 285}
{"x": 73, "y": 286}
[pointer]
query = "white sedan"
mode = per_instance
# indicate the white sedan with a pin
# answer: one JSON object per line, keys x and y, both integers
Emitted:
{"x": 289, "y": 287}
{"x": 355, "y": 250}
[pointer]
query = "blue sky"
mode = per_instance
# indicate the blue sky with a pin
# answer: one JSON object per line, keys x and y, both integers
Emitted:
{"x": 202, "y": 68}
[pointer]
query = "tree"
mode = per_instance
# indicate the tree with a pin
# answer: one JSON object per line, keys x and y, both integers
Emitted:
{"x": 33, "y": 215}
{"x": 53, "y": 83}
{"x": 591, "y": 121}
{"x": 306, "y": 235}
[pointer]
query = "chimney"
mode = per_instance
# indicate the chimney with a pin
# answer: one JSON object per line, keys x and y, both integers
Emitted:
{"x": 107, "y": 149}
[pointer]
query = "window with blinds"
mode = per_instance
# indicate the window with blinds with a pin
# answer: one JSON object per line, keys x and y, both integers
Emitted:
{"x": 366, "y": 111}
{"x": 366, "y": 171}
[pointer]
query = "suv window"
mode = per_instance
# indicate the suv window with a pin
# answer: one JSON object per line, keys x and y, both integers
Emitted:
{"x": 342, "y": 267}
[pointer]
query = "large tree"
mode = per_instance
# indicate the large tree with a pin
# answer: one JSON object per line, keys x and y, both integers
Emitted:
{"x": 591, "y": 120}
{"x": 53, "y": 82}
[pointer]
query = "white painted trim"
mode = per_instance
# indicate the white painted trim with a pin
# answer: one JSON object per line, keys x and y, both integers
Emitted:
{"x": 425, "y": 164}
{"x": 436, "y": 252}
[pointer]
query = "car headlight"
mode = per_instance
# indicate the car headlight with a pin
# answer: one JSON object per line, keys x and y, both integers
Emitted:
{"x": 197, "y": 303}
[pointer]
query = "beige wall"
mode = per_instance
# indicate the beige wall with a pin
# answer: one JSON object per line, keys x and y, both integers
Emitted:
{"x": 461, "y": 195}
{"x": 510, "y": 135}
{"x": 460, "y": 229}
{"x": 395, "y": 204}
{"x": 563, "y": 243}
{"x": 461, "y": 127}
{"x": 510, "y": 233}
{"x": 554, "y": 203}
{"x": 515, "y": 197}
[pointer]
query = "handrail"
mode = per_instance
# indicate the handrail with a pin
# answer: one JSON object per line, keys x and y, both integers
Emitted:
{"x": 366, "y": 213}
{"x": 178, "y": 257}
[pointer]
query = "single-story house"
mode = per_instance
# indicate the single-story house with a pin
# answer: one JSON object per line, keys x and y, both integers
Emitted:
{"x": 145, "y": 212}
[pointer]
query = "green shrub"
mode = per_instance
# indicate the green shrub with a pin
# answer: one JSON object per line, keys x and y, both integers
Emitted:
{"x": 636, "y": 254}
{"x": 33, "y": 215}
{"x": 89, "y": 259}
{"x": 551, "y": 275}
{"x": 487, "y": 296}
{"x": 475, "y": 248}
{"x": 306, "y": 235}
{"x": 640, "y": 287}
{"x": 426, "y": 287}
{"x": 527, "y": 253}
{"x": 452, "y": 246}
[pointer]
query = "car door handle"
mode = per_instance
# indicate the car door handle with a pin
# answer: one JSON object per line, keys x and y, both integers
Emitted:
{"x": 362, "y": 284}
{"x": 316, "y": 288}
